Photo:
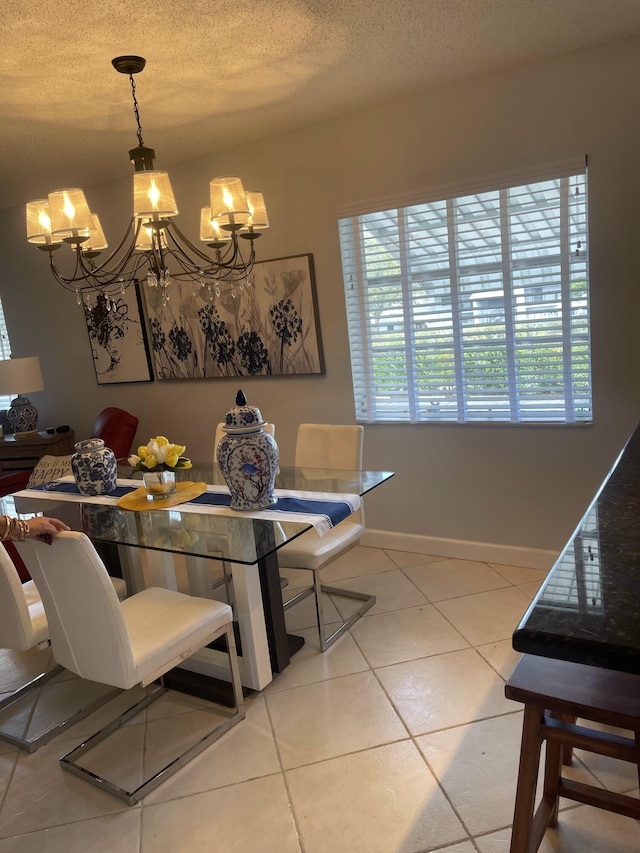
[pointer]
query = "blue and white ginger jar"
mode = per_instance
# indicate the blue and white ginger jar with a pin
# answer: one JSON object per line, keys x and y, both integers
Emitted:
{"x": 94, "y": 467}
{"x": 248, "y": 457}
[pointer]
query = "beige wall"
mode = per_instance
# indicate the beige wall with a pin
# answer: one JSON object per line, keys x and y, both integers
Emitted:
{"x": 524, "y": 486}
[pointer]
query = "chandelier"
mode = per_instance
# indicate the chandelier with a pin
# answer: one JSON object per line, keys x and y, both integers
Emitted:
{"x": 153, "y": 247}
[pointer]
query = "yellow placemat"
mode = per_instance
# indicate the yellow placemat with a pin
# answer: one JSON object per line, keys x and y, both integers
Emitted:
{"x": 137, "y": 500}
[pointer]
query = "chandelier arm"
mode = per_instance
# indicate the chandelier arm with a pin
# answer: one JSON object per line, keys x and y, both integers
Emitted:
{"x": 221, "y": 260}
{"x": 180, "y": 239}
{"x": 224, "y": 268}
{"x": 86, "y": 270}
{"x": 104, "y": 266}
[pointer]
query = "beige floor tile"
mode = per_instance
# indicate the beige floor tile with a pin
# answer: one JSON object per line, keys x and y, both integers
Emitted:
{"x": 250, "y": 816}
{"x": 453, "y": 578}
{"x": 518, "y": 575}
{"x": 402, "y": 559}
{"x": 477, "y": 766}
{"x": 619, "y": 776}
{"x": 42, "y": 795}
{"x": 119, "y": 832}
{"x": 246, "y": 752}
{"x": 8, "y": 759}
{"x": 580, "y": 830}
{"x": 52, "y": 704}
{"x": 393, "y": 591}
{"x": 310, "y": 664}
{"x": 530, "y": 589}
{"x": 303, "y": 614}
{"x": 403, "y": 635}
{"x": 487, "y": 616}
{"x": 138, "y": 751}
{"x": 501, "y": 655}
{"x": 17, "y": 668}
{"x": 331, "y": 718}
{"x": 445, "y": 690}
{"x": 340, "y": 728}
{"x": 358, "y": 561}
{"x": 377, "y": 801}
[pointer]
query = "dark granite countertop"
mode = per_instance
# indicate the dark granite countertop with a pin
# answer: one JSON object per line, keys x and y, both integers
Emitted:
{"x": 588, "y": 609}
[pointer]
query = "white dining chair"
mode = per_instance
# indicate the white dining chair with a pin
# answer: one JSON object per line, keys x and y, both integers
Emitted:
{"x": 327, "y": 446}
{"x": 125, "y": 644}
{"x": 23, "y": 627}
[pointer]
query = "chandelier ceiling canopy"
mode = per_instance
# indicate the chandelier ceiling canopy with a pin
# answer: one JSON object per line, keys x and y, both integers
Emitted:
{"x": 153, "y": 247}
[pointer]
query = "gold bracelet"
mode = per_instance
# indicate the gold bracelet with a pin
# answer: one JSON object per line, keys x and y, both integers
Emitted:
{"x": 7, "y": 528}
{"x": 24, "y": 530}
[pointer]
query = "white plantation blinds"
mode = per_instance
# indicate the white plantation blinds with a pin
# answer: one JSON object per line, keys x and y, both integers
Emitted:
{"x": 473, "y": 307}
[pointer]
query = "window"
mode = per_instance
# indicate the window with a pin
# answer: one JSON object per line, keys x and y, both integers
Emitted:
{"x": 473, "y": 306}
{"x": 5, "y": 352}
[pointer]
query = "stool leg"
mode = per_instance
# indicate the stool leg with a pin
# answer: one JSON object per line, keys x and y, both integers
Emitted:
{"x": 527, "y": 779}
{"x": 553, "y": 761}
{"x": 567, "y": 752}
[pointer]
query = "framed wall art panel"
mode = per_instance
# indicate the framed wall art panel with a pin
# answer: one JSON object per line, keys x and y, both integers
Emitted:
{"x": 267, "y": 327}
{"x": 118, "y": 338}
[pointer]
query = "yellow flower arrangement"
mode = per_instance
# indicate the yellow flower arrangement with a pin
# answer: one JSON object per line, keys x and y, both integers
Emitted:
{"x": 159, "y": 455}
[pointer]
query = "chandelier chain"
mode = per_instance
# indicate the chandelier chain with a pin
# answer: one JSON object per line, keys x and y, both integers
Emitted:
{"x": 136, "y": 110}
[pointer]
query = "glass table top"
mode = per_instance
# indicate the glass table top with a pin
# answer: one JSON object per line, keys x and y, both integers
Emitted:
{"x": 236, "y": 538}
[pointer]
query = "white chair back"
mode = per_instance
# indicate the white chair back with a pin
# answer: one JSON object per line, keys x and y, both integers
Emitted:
{"x": 18, "y": 630}
{"x": 330, "y": 446}
{"x": 337, "y": 446}
{"x": 86, "y": 625}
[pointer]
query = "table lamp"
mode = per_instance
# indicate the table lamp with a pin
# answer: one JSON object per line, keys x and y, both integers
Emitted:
{"x": 21, "y": 376}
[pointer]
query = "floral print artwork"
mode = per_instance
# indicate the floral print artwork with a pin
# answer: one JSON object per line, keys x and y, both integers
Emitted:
{"x": 265, "y": 328}
{"x": 117, "y": 337}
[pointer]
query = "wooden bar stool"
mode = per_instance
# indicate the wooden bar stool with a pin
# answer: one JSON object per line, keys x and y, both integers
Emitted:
{"x": 555, "y": 694}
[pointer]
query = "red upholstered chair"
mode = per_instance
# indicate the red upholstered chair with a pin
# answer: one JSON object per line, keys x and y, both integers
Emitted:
{"x": 117, "y": 429}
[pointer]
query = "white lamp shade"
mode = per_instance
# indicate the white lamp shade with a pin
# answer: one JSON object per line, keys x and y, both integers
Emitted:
{"x": 152, "y": 195}
{"x": 210, "y": 231}
{"x": 258, "y": 220}
{"x": 20, "y": 375}
{"x": 97, "y": 241}
{"x": 39, "y": 222}
{"x": 228, "y": 202}
{"x": 70, "y": 214}
{"x": 144, "y": 240}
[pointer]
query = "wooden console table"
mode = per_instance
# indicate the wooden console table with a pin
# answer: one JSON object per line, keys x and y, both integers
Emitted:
{"x": 22, "y": 454}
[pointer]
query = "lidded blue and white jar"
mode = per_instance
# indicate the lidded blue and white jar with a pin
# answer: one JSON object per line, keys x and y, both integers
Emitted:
{"x": 248, "y": 457}
{"x": 94, "y": 467}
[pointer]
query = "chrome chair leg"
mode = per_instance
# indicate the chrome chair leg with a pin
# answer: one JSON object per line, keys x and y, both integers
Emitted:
{"x": 70, "y": 763}
{"x": 35, "y": 685}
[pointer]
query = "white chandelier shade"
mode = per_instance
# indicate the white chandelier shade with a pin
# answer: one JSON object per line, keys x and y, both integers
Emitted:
{"x": 153, "y": 247}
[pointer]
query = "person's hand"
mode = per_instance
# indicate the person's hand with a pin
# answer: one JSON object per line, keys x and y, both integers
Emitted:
{"x": 45, "y": 529}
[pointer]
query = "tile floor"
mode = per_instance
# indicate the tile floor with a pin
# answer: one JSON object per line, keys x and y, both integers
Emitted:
{"x": 396, "y": 740}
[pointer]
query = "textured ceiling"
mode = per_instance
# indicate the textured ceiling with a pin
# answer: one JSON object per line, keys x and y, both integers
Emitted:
{"x": 220, "y": 72}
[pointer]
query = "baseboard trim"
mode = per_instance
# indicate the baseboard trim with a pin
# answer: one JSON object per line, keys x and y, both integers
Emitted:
{"x": 486, "y": 552}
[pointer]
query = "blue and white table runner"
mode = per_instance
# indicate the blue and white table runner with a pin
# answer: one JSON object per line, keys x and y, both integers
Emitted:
{"x": 323, "y": 510}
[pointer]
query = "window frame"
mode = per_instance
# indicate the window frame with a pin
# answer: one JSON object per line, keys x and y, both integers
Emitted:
{"x": 541, "y": 371}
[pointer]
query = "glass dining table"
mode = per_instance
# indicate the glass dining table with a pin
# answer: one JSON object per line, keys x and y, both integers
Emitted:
{"x": 158, "y": 546}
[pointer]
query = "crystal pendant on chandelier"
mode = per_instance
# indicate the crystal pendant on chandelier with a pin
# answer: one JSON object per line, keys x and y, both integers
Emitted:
{"x": 153, "y": 249}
